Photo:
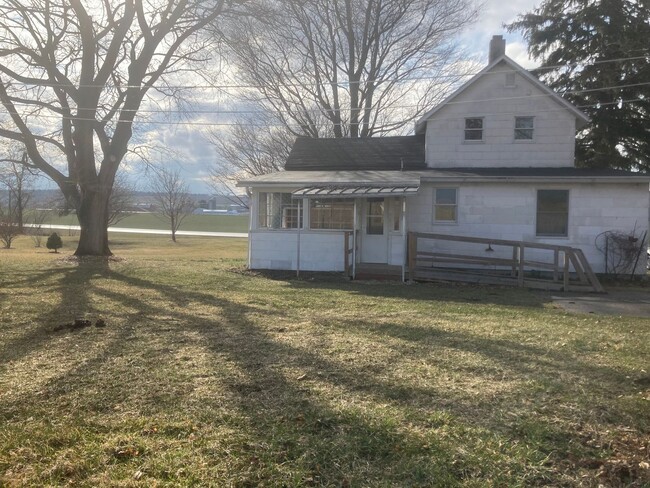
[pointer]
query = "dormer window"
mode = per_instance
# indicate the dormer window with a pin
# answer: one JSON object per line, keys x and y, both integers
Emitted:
{"x": 474, "y": 129}
{"x": 524, "y": 128}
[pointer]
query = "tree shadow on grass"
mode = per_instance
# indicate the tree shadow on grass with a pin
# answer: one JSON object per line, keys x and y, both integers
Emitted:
{"x": 71, "y": 284}
{"x": 448, "y": 292}
{"x": 295, "y": 425}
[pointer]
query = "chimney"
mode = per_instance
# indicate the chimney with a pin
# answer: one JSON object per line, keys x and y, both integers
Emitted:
{"x": 497, "y": 48}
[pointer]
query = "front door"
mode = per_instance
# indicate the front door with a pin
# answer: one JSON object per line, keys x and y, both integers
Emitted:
{"x": 374, "y": 238}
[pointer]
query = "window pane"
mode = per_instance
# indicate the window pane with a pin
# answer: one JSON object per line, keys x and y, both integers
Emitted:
{"x": 375, "y": 217}
{"x": 262, "y": 210}
{"x": 446, "y": 213}
{"x": 524, "y": 122}
{"x": 446, "y": 195}
{"x": 523, "y": 128}
{"x": 475, "y": 123}
{"x": 397, "y": 214}
{"x": 552, "y": 212}
{"x": 331, "y": 214}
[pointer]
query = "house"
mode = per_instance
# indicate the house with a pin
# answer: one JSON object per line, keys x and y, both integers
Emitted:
{"x": 493, "y": 162}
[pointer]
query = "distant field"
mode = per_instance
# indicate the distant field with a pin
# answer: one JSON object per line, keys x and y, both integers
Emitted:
{"x": 206, "y": 374}
{"x": 204, "y": 223}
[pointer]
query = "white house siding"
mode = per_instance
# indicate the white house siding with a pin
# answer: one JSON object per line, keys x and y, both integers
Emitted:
{"x": 508, "y": 211}
{"x": 319, "y": 251}
{"x": 553, "y": 136}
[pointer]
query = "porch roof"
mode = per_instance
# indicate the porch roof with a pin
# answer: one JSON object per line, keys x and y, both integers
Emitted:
{"x": 356, "y": 191}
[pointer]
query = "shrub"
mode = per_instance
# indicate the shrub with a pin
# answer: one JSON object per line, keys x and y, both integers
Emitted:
{"x": 54, "y": 242}
{"x": 8, "y": 232}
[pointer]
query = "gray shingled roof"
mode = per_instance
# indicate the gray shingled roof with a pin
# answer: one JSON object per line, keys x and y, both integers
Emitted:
{"x": 368, "y": 153}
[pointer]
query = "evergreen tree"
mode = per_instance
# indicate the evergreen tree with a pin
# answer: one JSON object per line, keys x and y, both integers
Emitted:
{"x": 599, "y": 53}
{"x": 54, "y": 242}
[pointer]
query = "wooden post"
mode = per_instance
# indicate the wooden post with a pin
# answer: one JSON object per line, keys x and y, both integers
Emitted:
{"x": 556, "y": 264}
{"x": 520, "y": 280}
{"x": 412, "y": 254}
{"x": 566, "y": 271}
{"x": 515, "y": 255}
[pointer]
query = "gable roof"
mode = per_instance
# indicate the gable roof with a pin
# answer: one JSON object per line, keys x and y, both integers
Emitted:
{"x": 582, "y": 119}
{"x": 361, "y": 154}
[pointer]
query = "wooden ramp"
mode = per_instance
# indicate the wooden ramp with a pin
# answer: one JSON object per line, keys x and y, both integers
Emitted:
{"x": 441, "y": 257}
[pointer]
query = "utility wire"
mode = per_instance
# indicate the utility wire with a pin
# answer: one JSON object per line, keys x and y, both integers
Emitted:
{"x": 234, "y": 124}
{"x": 46, "y": 83}
{"x": 460, "y": 102}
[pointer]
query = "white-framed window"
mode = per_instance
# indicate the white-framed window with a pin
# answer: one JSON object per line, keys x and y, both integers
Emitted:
{"x": 510, "y": 80}
{"x": 524, "y": 127}
{"x": 445, "y": 205}
{"x": 334, "y": 214}
{"x": 474, "y": 129}
{"x": 277, "y": 211}
{"x": 396, "y": 209}
{"x": 552, "y": 213}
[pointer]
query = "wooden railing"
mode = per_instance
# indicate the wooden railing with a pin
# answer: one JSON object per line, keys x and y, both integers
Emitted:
{"x": 567, "y": 269}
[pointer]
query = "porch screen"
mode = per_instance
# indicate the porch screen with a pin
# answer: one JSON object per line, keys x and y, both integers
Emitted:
{"x": 333, "y": 213}
{"x": 277, "y": 211}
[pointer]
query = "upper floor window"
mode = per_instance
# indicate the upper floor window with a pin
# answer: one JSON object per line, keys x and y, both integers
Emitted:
{"x": 553, "y": 213}
{"x": 277, "y": 211}
{"x": 474, "y": 129}
{"x": 445, "y": 205}
{"x": 510, "y": 80}
{"x": 524, "y": 128}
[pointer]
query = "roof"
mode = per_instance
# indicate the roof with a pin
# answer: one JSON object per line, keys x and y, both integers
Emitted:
{"x": 582, "y": 119}
{"x": 366, "y": 153}
{"x": 446, "y": 175}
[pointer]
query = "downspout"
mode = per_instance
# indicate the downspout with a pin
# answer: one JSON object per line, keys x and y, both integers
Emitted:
{"x": 253, "y": 213}
{"x": 354, "y": 242}
{"x": 298, "y": 247}
{"x": 404, "y": 239}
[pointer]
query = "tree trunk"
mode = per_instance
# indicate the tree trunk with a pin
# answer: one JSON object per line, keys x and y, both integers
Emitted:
{"x": 93, "y": 219}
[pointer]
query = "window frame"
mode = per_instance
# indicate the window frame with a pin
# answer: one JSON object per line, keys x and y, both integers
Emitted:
{"x": 480, "y": 130}
{"x": 454, "y": 205}
{"x": 531, "y": 129}
{"x": 568, "y": 213}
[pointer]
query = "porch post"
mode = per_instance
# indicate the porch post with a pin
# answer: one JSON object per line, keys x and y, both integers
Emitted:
{"x": 354, "y": 241}
{"x": 298, "y": 244}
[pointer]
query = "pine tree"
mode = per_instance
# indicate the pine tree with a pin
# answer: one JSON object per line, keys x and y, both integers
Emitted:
{"x": 598, "y": 52}
{"x": 54, "y": 242}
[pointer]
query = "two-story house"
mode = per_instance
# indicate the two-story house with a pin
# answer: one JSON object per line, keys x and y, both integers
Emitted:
{"x": 494, "y": 160}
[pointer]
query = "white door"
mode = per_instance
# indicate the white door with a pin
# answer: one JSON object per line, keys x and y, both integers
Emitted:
{"x": 374, "y": 237}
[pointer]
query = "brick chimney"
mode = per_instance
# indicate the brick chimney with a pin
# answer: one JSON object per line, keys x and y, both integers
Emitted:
{"x": 497, "y": 48}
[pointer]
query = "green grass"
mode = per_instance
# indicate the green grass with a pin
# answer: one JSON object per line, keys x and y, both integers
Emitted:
{"x": 209, "y": 375}
{"x": 209, "y": 223}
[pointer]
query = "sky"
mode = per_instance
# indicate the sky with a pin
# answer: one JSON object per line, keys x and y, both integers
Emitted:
{"x": 186, "y": 149}
{"x": 195, "y": 154}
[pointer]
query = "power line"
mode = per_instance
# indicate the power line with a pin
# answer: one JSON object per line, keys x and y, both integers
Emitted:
{"x": 46, "y": 83}
{"x": 234, "y": 124}
{"x": 460, "y": 102}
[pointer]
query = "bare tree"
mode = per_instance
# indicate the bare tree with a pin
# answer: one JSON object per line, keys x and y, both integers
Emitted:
{"x": 172, "y": 197}
{"x": 35, "y": 230}
{"x": 121, "y": 200}
{"x": 349, "y": 68}
{"x": 8, "y": 230}
{"x": 17, "y": 177}
{"x": 73, "y": 77}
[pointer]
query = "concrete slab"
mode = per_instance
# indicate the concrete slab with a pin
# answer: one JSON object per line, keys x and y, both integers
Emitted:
{"x": 628, "y": 303}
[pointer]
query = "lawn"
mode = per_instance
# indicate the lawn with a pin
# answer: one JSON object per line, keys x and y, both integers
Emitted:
{"x": 204, "y": 223}
{"x": 206, "y": 374}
